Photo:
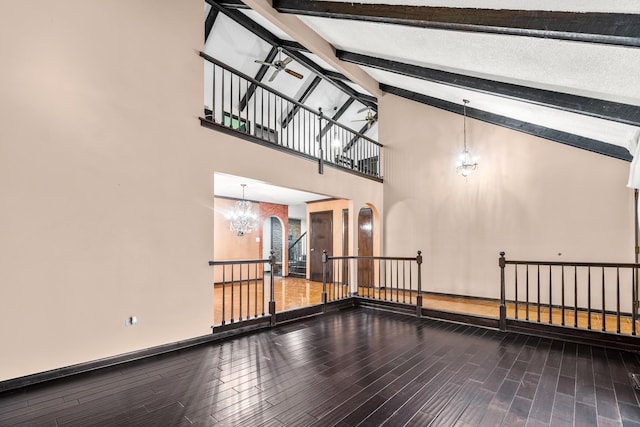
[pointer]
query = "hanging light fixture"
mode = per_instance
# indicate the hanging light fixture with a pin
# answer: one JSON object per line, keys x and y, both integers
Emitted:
{"x": 243, "y": 220}
{"x": 466, "y": 164}
{"x": 336, "y": 141}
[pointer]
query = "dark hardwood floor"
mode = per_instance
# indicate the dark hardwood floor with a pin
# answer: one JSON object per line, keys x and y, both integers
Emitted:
{"x": 355, "y": 367}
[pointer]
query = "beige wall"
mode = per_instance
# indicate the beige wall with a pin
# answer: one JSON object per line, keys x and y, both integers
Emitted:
{"x": 106, "y": 179}
{"x": 530, "y": 197}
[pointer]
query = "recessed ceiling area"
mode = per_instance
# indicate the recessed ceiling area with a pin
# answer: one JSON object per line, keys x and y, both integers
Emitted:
{"x": 225, "y": 185}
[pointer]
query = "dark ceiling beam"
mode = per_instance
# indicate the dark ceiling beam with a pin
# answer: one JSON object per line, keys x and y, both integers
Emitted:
{"x": 291, "y": 114}
{"x": 623, "y": 113}
{"x": 246, "y": 22}
{"x": 208, "y": 23}
{"x": 367, "y": 100}
{"x": 296, "y": 54}
{"x": 335, "y": 117}
{"x": 289, "y": 45}
{"x": 232, "y": 4}
{"x": 621, "y": 29}
{"x": 259, "y": 76}
{"x": 577, "y": 141}
{"x": 336, "y": 75}
{"x": 362, "y": 131}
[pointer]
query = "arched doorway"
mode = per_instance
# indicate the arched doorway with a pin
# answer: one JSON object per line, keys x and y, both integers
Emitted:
{"x": 365, "y": 247}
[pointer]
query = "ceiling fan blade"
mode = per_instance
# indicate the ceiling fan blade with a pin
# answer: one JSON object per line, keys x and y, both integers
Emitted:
{"x": 263, "y": 63}
{"x": 363, "y": 120}
{"x": 364, "y": 109}
{"x": 273, "y": 76}
{"x": 294, "y": 73}
{"x": 287, "y": 60}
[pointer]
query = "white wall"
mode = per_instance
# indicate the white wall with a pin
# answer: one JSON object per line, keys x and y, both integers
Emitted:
{"x": 530, "y": 197}
{"x": 106, "y": 180}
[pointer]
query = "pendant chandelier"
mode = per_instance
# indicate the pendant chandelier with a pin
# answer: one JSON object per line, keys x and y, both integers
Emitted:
{"x": 466, "y": 164}
{"x": 243, "y": 220}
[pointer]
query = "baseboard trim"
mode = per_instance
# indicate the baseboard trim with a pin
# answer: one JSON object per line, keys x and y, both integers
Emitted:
{"x": 106, "y": 362}
{"x": 222, "y": 333}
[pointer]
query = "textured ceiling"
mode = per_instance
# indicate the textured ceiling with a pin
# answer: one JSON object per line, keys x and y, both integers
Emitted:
{"x": 581, "y": 82}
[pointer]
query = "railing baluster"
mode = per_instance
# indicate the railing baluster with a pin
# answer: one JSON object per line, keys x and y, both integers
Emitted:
{"x": 264, "y": 296}
{"x": 575, "y": 296}
{"x": 634, "y": 293}
{"x": 248, "y": 292}
{"x": 410, "y": 286}
{"x": 527, "y": 303}
{"x": 589, "y": 299}
{"x": 604, "y": 316}
{"x": 404, "y": 290}
{"x": 233, "y": 285}
{"x": 516, "y": 292}
{"x": 539, "y": 301}
{"x": 562, "y": 272}
{"x": 240, "y": 292}
{"x": 222, "y": 96}
{"x": 550, "y": 298}
{"x": 618, "y": 299}
{"x": 224, "y": 292}
{"x": 255, "y": 299}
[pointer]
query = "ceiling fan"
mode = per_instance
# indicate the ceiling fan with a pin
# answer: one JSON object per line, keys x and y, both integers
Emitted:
{"x": 280, "y": 65}
{"x": 370, "y": 118}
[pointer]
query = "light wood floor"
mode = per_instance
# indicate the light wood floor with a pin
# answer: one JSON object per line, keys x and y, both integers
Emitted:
{"x": 291, "y": 293}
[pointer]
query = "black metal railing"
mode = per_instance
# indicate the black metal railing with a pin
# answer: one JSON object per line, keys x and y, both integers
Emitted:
{"x": 298, "y": 257}
{"x": 392, "y": 279}
{"x": 242, "y": 291}
{"x": 283, "y": 122}
{"x": 582, "y": 295}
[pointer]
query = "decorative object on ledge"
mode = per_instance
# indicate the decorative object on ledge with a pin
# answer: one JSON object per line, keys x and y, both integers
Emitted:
{"x": 466, "y": 164}
{"x": 243, "y": 220}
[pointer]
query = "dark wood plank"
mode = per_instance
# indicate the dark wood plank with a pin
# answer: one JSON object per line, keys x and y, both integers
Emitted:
{"x": 356, "y": 367}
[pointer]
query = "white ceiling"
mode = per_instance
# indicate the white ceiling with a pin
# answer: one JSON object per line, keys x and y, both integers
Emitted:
{"x": 597, "y": 71}
{"x": 230, "y": 186}
{"x": 609, "y": 6}
{"x": 239, "y": 48}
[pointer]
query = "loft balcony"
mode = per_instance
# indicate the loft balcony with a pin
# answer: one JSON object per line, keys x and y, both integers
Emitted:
{"x": 246, "y": 108}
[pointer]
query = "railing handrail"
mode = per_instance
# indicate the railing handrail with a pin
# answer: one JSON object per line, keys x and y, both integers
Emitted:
{"x": 240, "y": 261}
{"x": 297, "y": 240}
{"x": 575, "y": 264}
{"x": 382, "y": 258}
{"x": 282, "y": 95}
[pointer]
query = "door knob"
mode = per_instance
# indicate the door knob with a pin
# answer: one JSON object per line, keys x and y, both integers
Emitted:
{"x": 311, "y": 249}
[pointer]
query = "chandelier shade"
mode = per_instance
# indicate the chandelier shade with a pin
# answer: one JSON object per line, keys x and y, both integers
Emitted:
{"x": 243, "y": 219}
{"x": 466, "y": 164}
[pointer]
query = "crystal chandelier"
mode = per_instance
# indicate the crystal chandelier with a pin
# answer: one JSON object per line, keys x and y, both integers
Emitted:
{"x": 466, "y": 164}
{"x": 243, "y": 220}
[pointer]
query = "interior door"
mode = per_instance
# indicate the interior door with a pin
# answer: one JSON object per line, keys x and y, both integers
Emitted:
{"x": 345, "y": 247}
{"x": 320, "y": 238}
{"x": 365, "y": 247}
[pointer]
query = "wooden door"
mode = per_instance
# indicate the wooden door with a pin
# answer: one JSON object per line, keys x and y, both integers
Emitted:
{"x": 320, "y": 238}
{"x": 365, "y": 247}
{"x": 345, "y": 247}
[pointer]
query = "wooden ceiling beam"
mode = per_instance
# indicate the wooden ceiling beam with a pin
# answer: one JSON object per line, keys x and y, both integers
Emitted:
{"x": 620, "y": 29}
{"x": 291, "y": 114}
{"x": 208, "y": 23}
{"x": 608, "y": 110}
{"x": 297, "y": 53}
{"x": 262, "y": 71}
{"x": 573, "y": 140}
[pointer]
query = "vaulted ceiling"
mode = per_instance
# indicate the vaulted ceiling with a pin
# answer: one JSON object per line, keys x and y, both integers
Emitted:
{"x": 568, "y": 71}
